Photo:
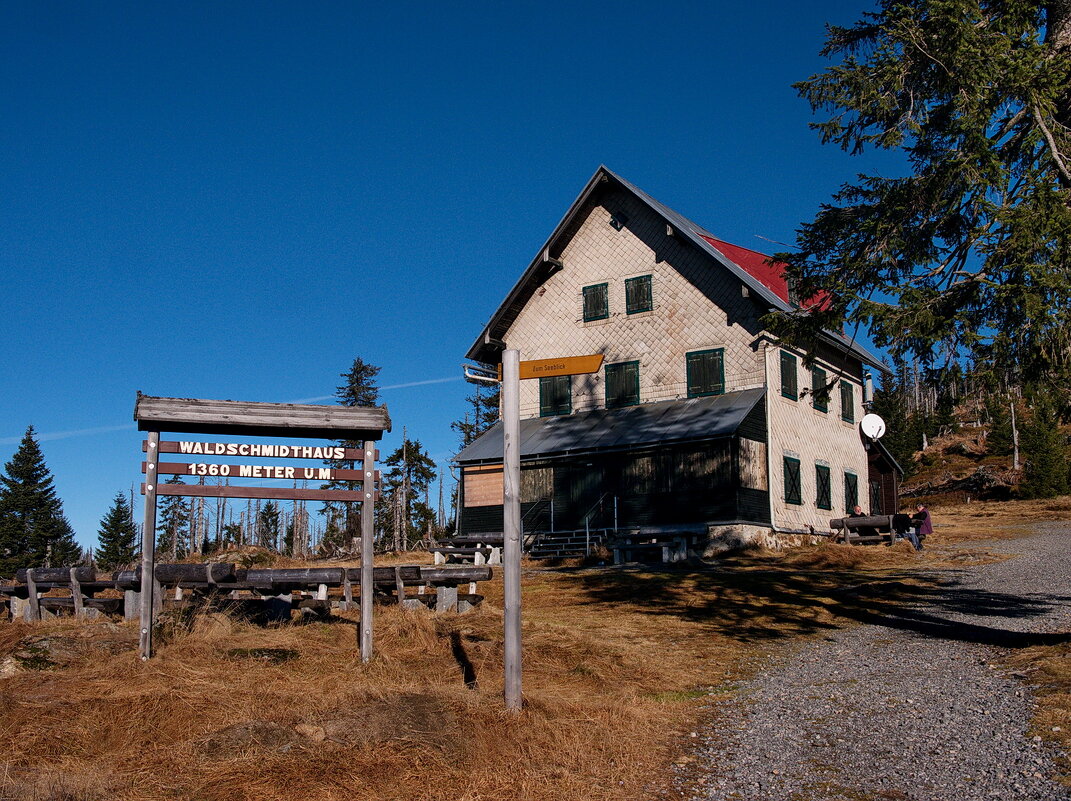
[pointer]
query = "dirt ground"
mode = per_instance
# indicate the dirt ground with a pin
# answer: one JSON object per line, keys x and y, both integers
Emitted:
{"x": 617, "y": 663}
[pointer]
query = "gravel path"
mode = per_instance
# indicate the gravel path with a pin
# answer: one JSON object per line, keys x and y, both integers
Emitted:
{"x": 911, "y": 707}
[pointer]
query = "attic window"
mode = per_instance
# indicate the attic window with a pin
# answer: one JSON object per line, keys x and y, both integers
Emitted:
{"x": 618, "y": 221}
{"x": 596, "y": 302}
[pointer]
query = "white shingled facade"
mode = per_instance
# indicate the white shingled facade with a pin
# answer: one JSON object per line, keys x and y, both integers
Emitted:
{"x": 697, "y": 305}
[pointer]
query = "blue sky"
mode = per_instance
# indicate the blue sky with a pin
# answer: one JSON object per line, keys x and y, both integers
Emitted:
{"x": 234, "y": 200}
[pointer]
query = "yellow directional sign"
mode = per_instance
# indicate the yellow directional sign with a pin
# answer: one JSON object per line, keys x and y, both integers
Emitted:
{"x": 566, "y": 365}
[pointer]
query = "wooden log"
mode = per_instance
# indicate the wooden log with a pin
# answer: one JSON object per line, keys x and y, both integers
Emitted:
{"x": 459, "y": 574}
{"x": 347, "y": 594}
{"x": 866, "y": 521}
{"x": 109, "y": 605}
{"x": 294, "y": 575}
{"x": 59, "y": 575}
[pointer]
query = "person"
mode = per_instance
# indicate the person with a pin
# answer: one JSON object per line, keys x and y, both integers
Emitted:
{"x": 923, "y": 524}
{"x": 857, "y": 511}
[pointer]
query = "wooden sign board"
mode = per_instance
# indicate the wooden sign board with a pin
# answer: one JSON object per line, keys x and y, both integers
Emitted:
{"x": 333, "y": 452}
{"x": 214, "y": 470}
{"x": 566, "y": 365}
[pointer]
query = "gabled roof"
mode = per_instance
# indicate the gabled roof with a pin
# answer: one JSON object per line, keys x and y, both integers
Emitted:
{"x": 763, "y": 280}
{"x": 602, "y": 430}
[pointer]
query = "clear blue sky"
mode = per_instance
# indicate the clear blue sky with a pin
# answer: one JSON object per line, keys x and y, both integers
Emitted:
{"x": 233, "y": 200}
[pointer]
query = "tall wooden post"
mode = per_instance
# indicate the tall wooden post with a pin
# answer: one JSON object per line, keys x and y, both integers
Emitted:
{"x": 368, "y": 506}
{"x": 511, "y": 523}
{"x": 148, "y": 545}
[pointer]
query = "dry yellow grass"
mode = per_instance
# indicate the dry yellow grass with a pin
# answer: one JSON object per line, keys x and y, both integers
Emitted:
{"x": 615, "y": 660}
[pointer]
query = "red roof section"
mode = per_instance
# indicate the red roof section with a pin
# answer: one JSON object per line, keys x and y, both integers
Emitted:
{"x": 757, "y": 265}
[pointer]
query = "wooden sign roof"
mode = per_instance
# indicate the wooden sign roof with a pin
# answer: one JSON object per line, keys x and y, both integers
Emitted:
{"x": 248, "y": 418}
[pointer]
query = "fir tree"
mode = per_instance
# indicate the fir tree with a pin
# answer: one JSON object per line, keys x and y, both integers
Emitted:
{"x": 33, "y": 529}
{"x": 117, "y": 537}
{"x": 1044, "y": 450}
{"x": 174, "y": 523}
{"x": 268, "y": 525}
{"x": 968, "y": 252}
{"x": 405, "y": 516}
{"x": 358, "y": 388}
{"x": 482, "y": 412}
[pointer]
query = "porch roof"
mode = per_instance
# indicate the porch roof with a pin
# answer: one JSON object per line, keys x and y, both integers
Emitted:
{"x": 705, "y": 418}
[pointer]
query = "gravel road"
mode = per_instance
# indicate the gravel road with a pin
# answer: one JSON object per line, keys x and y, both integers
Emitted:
{"x": 910, "y": 706}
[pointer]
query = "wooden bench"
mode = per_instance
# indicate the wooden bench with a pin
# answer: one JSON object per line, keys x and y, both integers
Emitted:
{"x": 287, "y": 586}
{"x": 491, "y": 555}
{"x": 868, "y": 529}
{"x": 670, "y": 548}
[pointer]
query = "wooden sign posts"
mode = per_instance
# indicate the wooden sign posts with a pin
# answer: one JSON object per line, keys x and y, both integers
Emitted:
{"x": 512, "y": 372}
{"x": 239, "y": 418}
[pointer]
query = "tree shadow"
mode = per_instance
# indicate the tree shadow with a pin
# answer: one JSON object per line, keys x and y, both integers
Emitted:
{"x": 763, "y": 604}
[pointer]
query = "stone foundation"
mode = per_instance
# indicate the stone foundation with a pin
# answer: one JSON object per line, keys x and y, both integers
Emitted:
{"x": 725, "y": 539}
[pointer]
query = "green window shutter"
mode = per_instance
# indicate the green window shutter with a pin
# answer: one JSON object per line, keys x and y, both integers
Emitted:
{"x": 847, "y": 403}
{"x": 819, "y": 395}
{"x": 789, "y": 388}
{"x": 824, "y": 495}
{"x": 706, "y": 372}
{"x": 596, "y": 302}
{"x": 638, "y": 296}
{"x": 555, "y": 395}
{"x": 793, "y": 486}
{"x": 622, "y": 384}
{"x": 851, "y": 491}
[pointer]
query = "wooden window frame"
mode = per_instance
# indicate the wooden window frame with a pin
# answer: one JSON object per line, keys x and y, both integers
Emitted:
{"x": 647, "y": 298}
{"x": 719, "y": 387}
{"x": 605, "y": 312}
{"x": 791, "y": 465}
{"x": 851, "y": 499}
{"x": 847, "y": 402}
{"x": 819, "y": 396}
{"x": 547, "y": 386}
{"x": 823, "y": 486}
{"x": 621, "y": 366}
{"x": 790, "y": 390}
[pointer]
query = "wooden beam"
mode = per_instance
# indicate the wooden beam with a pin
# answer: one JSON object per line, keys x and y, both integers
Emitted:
{"x": 257, "y": 471}
{"x": 243, "y": 449}
{"x": 264, "y": 493}
{"x": 248, "y": 418}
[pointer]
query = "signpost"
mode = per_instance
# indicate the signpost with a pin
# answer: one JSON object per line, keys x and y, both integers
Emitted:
{"x": 511, "y": 372}
{"x": 192, "y": 416}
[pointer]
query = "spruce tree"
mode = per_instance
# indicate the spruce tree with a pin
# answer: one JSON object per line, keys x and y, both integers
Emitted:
{"x": 482, "y": 412}
{"x": 1044, "y": 450}
{"x": 968, "y": 252}
{"x": 268, "y": 526}
{"x": 358, "y": 388}
{"x": 405, "y": 516}
{"x": 174, "y": 522}
{"x": 33, "y": 529}
{"x": 117, "y": 536}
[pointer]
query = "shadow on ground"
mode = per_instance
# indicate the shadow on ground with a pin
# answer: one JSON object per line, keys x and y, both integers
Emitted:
{"x": 755, "y": 604}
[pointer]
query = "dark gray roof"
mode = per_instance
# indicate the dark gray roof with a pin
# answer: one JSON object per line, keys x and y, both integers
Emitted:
{"x": 483, "y": 350}
{"x": 614, "y": 429}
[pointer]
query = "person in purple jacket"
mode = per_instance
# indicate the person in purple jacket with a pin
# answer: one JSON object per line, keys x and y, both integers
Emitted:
{"x": 922, "y": 522}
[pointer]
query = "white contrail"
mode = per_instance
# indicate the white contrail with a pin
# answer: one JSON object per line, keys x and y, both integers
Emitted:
{"x": 383, "y": 389}
{"x": 83, "y": 432}
{"x": 78, "y": 432}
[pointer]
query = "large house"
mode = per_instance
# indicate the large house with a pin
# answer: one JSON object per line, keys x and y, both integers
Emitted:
{"x": 700, "y": 421}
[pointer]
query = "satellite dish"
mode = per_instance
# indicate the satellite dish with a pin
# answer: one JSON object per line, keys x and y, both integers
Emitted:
{"x": 873, "y": 426}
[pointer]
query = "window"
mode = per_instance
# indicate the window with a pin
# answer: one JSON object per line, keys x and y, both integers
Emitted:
{"x": 847, "y": 403}
{"x": 622, "y": 384}
{"x": 824, "y": 495}
{"x": 851, "y": 491}
{"x": 819, "y": 393}
{"x": 638, "y": 294}
{"x": 789, "y": 388}
{"x": 596, "y": 302}
{"x": 555, "y": 395}
{"x": 706, "y": 372}
{"x": 793, "y": 487}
